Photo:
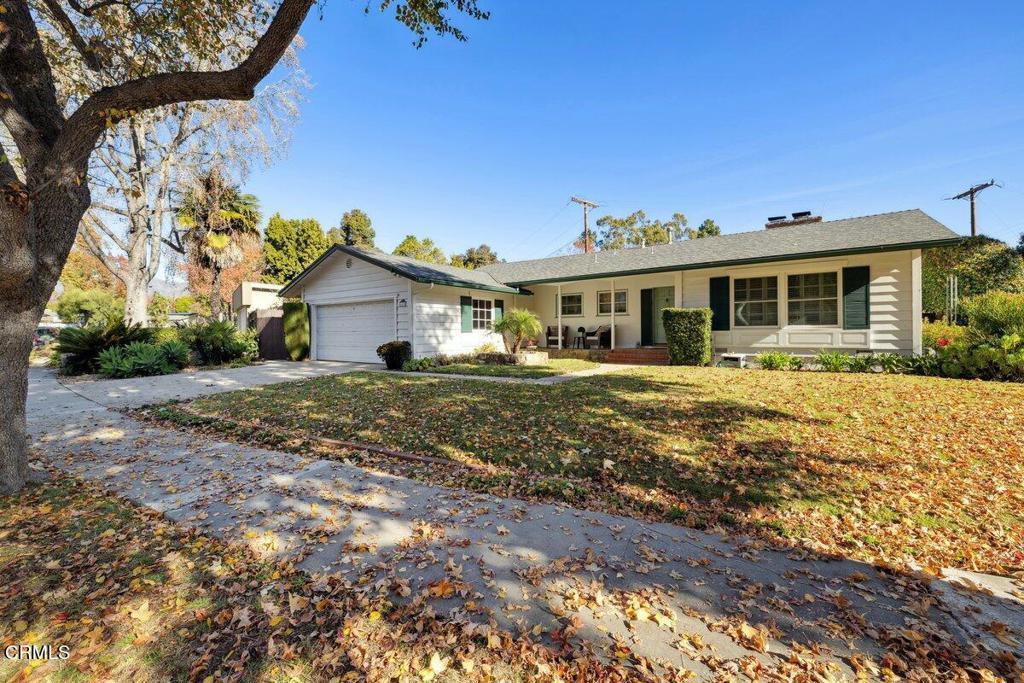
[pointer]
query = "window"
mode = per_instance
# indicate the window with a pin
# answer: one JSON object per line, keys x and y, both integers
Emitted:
{"x": 572, "y": 304}
{"x": 756, "y": 302}
{"x": 604, "y": 302}
{"x": 813, "y": 299}
{"x": 483, "y": 313}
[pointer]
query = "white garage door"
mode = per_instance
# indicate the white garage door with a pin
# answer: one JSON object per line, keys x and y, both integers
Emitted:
{"x": 352, "y": 332}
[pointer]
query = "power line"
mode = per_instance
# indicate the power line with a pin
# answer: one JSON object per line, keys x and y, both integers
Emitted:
{"x": 971, "y": 193}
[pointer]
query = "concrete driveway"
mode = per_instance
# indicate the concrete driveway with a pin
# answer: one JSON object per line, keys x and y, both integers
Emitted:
{"x": 140, "y": 391}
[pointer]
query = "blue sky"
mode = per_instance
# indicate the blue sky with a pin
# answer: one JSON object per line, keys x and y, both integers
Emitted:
{"x": 734, "y": 111}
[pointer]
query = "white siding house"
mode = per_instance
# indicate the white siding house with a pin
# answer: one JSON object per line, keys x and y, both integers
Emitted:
{"x": 800, "y": 285}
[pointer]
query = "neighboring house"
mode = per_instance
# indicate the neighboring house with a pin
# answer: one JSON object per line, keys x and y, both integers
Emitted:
{"x": 253, "y": 296}
{"x": 800, "y": 285}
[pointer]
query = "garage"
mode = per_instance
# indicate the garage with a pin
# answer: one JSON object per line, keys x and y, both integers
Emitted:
{"x": 352, "y": 332}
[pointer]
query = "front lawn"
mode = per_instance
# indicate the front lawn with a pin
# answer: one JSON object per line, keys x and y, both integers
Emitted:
{"x": 877, "y": 467}
{"x": 556, "y": 366}
{"x": 134, "y": 598}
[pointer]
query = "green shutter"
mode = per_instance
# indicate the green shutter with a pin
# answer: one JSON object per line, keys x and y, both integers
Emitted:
{"x": 719, "y": 298}
{"x": 856, "y": 298}
{"x": 467, "y": 313}
{"x": 646, "y": 317}
{"x": 499, "y": 309}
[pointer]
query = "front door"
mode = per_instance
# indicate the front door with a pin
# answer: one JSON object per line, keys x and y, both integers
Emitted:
{"x": 652, "y": 302}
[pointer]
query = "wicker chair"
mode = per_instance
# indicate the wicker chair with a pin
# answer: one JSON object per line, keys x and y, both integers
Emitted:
{"x": 552, "y": 336}
{"x": 596, "y": 337}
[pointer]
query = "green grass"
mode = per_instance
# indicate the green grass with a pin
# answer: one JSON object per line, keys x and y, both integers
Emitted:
{"x": 557, "y": 366}
{"x": 878, "y": 467}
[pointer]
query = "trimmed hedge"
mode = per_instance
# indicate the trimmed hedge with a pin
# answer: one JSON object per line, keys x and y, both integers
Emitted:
{"x": 296, "y": 329}
{"x": 688, "y": 331}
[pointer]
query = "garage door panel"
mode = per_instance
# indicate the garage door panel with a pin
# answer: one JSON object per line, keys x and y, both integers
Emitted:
{"x": 352, "y": 332}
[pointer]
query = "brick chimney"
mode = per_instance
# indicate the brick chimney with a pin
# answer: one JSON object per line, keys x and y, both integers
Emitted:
{"x": 799, "y": 218}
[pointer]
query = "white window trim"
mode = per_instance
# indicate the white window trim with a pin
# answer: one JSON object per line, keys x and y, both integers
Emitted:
{"x": 779, "y": 308}
{"x": 608, "y": 291}
{"x": 558, "y": 304}
{"x": 839, "y": 301}
{"x": 472, "y": 308}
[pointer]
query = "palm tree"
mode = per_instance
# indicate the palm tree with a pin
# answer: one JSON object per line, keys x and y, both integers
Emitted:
{"x": 216, "y": 218}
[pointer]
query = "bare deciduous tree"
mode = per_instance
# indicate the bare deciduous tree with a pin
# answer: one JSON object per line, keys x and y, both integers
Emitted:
{"x": 44, "y": 188}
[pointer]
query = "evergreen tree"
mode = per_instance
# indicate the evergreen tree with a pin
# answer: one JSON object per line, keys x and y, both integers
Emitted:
{"x": 290, "y": 245}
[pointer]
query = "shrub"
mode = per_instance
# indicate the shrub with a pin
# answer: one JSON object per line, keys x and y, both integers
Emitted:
{"x": 891, "y": 363}
{"x": 833, "y": 361}
{"x": 516, "y": 327}
{"x": 83, "y": 345}
{"x": 688, "y": 331}
{"x": 865, "y": 363}
{"x": 176, "y": 353}
{"x": 395, "y": 354}
{"x": 89, "y": 306}
{"x": 419, "y": 364}
{"x": 147, "y": 360}
{"x": 932, "y": 333}
{"x": 113, "y": 363}
{"x": 498, "y": 358}
{"x": 778, "y": 360}
{"x": 1002, "y": 359}
{"x": 217, "y": 342}
{"x": 166, "y": 334}
{"x": 487, "y": 347}
{"x": 994, "y": 315}
{"x": 296, "y": 329}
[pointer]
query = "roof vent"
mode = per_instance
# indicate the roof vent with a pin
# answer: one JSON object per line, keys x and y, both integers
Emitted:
{"x": 799, "y": 218}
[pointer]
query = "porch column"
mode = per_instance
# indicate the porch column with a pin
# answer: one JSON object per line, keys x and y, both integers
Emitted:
{"x": 558, "y": 305}
{"x": 613, "y": 315}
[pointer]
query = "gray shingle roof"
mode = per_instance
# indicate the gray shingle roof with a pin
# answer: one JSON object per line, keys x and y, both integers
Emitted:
{"x": 419, "y": 271}
{"x": 882, "y": 232}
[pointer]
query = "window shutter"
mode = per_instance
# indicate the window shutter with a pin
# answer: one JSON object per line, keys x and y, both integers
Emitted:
{"x": 467, "y": 313}
{"x": 719, "y": 297}
{"x": 646, "y": 317}
{"x": 499, "y": 309}
{"x": 856, "y": 298}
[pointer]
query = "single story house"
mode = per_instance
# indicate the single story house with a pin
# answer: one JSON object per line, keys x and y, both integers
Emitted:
{"x": 800, "y": 285}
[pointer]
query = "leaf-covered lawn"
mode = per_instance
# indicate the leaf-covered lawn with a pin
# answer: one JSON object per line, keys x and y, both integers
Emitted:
{"x": 878, "y": 467}
{"x": 556, "y": 366}
{"x": 135, "y": 598}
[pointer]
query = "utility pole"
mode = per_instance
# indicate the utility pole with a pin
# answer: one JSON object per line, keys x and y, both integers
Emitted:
{"x": 971, "y": 193}
{"x": 587, "y": 206}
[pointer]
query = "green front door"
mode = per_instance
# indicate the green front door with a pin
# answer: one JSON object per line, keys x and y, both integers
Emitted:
{"x": 653, "y": 301}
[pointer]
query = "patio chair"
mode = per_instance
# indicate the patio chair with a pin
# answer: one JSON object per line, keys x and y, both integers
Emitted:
{"x": 596, "y": 337}
{"x": 552, "y": 336}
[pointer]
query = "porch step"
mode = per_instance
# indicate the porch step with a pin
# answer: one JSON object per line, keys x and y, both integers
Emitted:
{"x": 640, "y": 356}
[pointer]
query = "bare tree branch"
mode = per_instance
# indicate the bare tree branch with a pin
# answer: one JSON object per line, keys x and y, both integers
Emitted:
{"x": 63, "y": 21}
{"x": 84, "y": 127}
{"x": 93, "y": 221}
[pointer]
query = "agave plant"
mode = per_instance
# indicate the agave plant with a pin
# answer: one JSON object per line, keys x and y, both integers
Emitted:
{"x": 216, "y": 218}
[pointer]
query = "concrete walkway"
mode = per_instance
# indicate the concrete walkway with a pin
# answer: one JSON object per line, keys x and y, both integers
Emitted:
{"x": 676, "y": 596}
{"x": 140, "y": 391}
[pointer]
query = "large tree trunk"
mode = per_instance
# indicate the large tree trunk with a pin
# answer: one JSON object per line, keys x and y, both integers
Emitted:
{"x": 215, "y": 301}
{"x": 16, "y": 332}
{"x": 136, "y": 297}
{"x": 27, "y": 279}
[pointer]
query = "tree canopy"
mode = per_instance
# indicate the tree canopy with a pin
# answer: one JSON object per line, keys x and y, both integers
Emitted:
{"x": 637, "y": 230}
{"x": 422, "y": 250}
{"x": 290, "y": 245}
{"x": 981, "y": 264}
{"x": 360, "y": 226}
{"x": 475, "y": 257}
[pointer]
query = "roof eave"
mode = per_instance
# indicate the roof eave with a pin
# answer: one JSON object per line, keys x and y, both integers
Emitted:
{"x": 744, "y": 262}
{"x": 463, "y": 284}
